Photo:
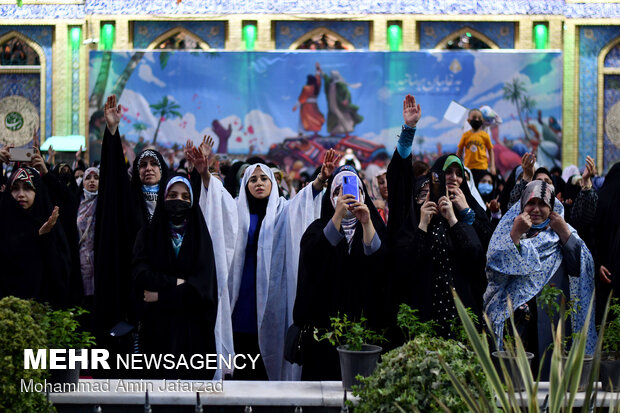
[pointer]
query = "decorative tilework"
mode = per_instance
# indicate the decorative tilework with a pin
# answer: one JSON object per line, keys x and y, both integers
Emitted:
{"x": 612, "y": 96}
{"x": 356, "y": 32}
{"x": 613, "y": 57}
{"x": 431, "y": 33}
{"x": 170, "y": 7}
{"x": 43, "y": 36}
{"x": 591, "y": 40}
{"x": 27, "y": 85}
{"x": 213, "y": 33}
{"x": 75, "y": 92}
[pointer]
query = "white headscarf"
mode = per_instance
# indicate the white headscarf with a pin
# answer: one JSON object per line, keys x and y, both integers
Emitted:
{"x": 349, "y": 221}
{"x": 472, "y": 188}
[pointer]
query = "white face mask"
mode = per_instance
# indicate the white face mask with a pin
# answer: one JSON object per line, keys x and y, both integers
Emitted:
{"x": 78, "y": 181}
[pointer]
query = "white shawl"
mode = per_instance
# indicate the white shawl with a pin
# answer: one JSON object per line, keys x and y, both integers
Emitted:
{"x": 220, "y": 213}
{"x": 276, "y": 266}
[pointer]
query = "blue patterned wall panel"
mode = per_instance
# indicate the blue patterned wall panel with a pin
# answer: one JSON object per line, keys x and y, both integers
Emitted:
{"x": 612, "y": 97}
{"x": 591, "y": 40}
{"x": 170, "y": 7}
{"x": 43, "y": 36}
{"x": 503, "y": 34}
{"x": 214, "y": 33}
{"x": 356, "y": 32}
{"x": 613, "y": 57}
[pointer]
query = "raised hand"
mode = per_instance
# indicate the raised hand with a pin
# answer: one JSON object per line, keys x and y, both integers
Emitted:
{"x": 411, "y": 111}
{"x": 78, "y": 154}
{"x": 527, "y": 163}
{"x": 112, "y": 113}
{"x": 494, "y": 205}
{"x": 5, "y": 155}
{"x": 559, "y": 226}
{"x": 330, "y": 160}
{"x": 49, "y": 224}
{"x": 360, "y": 211}
{"x": 206, "y": 146}
{"x": 588, "y": 173}
{"x": 37, "y": 161}
{"x": 51, "y": 155}
{"x": 604, "y": 275}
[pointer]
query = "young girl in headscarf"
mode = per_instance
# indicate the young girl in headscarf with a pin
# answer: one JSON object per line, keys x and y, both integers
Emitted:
{"x": 261, "y": 279}
{"x": 33, "y": 250}
{"x": 533, "y": 246}
{"x": 341, "y": 271}
{"x": 174, "y": 273}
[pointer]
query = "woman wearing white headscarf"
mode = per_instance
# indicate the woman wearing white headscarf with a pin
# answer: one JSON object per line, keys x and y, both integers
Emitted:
{"x": 261, "y": 280}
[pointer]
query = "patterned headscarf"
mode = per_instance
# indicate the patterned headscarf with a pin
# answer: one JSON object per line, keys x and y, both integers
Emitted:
{"x": 149, "y": 153}
{"x": 23, "y": 174}
{"x": 349, "y": 221}
{"x": 538, "y": 189}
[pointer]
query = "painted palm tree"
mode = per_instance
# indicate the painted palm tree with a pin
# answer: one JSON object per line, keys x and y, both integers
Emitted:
{"x": 164, "y": 110}
{"x": 95, "y": 101}
{"x": 515, "y": 92}
{"x": 139, "y": 127}
{"x": 122, "y": 80}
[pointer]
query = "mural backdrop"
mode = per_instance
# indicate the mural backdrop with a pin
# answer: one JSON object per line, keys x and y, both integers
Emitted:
{"x": 289, "y": 106}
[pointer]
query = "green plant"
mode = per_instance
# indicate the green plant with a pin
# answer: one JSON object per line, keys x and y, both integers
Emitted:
{"x": 611, "y": 338}
{"x": 63, "y": 329}
{"x": 348, "y": 332}
{"x": 409, "y": 322}
{"x": 21, "y": 327}
{"x": 411, "y": 378}
{"x": 548, "y": 301}
{"x": 564, "y": 376}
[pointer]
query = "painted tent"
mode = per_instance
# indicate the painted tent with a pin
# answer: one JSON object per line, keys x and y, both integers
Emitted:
{"x": 265, "y": 102}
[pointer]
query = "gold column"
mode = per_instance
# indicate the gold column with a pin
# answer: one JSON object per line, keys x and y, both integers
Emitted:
{"x": 410, "y": 34}
{"x": 570, "y": 114}
{"x": 556, "y": 27}
{"x": 61, "y": 82}
{"x": 263, "y": 30}
{"x": 378, "y": 35}
{"x": 526, "y": 31}
{"x": 122, "y": 35}
{"x": 234, "y": 33}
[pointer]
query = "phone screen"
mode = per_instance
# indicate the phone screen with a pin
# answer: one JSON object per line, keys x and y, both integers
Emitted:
{"x": 349, "y": 186}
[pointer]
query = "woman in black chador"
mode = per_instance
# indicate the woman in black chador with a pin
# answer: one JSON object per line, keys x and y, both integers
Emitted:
{"x": 174, "y": 273}
{"x": 33, "y": 250}
{"x": 341, "y": 271}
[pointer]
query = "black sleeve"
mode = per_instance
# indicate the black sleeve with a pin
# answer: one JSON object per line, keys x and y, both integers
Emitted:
{"x": 465, "y": 242}
{"x": 400, "y": 191}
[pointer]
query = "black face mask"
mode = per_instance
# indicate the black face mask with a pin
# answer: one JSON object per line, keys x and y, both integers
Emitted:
{"x": 475, "y": 124}
{"x": 177, "y": 210}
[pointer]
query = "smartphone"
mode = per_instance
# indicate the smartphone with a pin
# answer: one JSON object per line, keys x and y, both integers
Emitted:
{"x": 349, "y": 186}
{"x": 438, "y": 186}
{"x": 20, "y": 154}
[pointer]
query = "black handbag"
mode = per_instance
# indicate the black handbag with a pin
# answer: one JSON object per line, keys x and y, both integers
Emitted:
{"x": 293, "y": 344}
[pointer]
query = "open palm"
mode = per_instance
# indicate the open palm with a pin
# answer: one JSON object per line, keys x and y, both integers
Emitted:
{"x": 411, "y": 111}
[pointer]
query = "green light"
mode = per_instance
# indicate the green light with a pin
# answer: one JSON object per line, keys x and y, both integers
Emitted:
{"x": 106, "y": 37}
{"x": 75, "y": 34}
{"x": 468, "y": 34}
{"x": 249, "y": 36}
{"x": 395, "y": 37}
{"x": 541, "y": 36}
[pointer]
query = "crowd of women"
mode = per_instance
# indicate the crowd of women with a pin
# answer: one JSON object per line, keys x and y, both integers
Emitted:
{"x": 200, "y": 260}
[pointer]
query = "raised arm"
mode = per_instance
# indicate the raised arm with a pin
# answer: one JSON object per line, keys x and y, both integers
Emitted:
{"x": 330, "y": 160}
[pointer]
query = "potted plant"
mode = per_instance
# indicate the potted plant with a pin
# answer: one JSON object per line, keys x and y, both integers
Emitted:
{"x": 20, "y": 328}
{"x": 63, "y": 332}
{"x": 358, "y": 356}
{"x": 610, "y": 357}
{"x": 412, "y": 378}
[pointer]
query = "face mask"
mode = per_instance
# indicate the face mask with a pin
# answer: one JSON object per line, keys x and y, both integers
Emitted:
{"x": 542, "y": 224}
{"x": 485, "y": 188}
{"x": 177, "y": 210}
{"x": 78, "y": 181}
{"x": 475, "y": 124}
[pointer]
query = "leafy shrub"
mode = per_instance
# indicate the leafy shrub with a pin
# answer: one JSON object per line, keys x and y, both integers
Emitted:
{"x": 348, "y": 332}
{"x": 63, "y": 330}
{"x": 611, "y": 338}
{"x": 21, "y": 326}
{"x": 411, "y": 378}
{"x": 408, "y": 321}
